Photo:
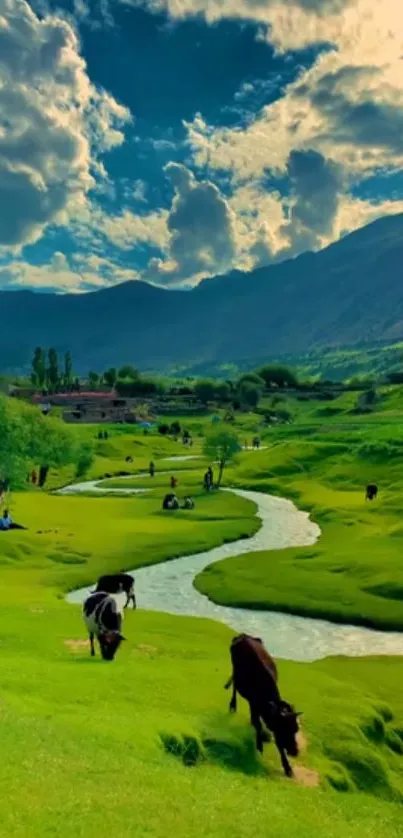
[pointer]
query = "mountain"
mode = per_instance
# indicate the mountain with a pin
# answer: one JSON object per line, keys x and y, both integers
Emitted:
{"x": 349, "y": 293}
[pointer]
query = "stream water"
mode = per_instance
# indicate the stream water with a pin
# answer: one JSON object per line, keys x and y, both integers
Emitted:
{"x": 168, "y": 587}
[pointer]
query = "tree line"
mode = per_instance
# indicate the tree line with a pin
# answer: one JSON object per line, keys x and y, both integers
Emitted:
{"x": 51, "y": 374}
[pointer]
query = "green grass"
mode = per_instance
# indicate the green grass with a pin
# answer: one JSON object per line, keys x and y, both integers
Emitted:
{"x": 145, "y": 746}
{"x": 355, "y": 572}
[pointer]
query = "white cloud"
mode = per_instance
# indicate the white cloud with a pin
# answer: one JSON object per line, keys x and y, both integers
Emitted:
{"x": 201, "y": 228}
{"x": 347, "y": 109}
{"x": 53, "y": 125}
{"x": 127, "y": 230}
{"x": 89, "y": 273}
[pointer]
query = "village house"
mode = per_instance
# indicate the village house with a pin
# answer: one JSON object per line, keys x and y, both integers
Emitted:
{"x": 90, "y": 407}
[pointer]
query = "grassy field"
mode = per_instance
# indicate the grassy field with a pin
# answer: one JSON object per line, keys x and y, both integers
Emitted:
{"x": 145, "y": 746}
{"x": 355, "y": 571}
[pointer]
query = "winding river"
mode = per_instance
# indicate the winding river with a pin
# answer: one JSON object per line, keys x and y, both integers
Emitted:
{"x": 168, "y": 587}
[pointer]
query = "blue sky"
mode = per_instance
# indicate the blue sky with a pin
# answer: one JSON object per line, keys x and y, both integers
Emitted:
{"x": 171, "y": 140}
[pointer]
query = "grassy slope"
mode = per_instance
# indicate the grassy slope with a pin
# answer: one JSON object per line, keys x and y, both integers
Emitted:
{"x": 87, "y": 748}
{"x": 355, "y": 572}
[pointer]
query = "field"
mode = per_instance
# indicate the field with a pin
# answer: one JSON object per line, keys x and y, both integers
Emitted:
{"x": 145, "y": 746}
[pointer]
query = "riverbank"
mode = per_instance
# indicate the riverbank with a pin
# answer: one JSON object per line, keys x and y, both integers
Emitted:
{"x": 157, "y": 718}
{"x": 169, "y": 587}
{"x": 354, "y": 574}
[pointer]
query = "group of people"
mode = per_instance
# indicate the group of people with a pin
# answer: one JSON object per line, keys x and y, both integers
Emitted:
{"x": 255, "y": 443}
{"x": 171, "y": 501}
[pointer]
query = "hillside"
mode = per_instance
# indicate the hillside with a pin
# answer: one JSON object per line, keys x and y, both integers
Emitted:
{"x": 347, "y": 294}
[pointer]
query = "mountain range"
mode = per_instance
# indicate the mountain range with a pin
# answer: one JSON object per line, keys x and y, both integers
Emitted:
{"x": 347, "y": 294}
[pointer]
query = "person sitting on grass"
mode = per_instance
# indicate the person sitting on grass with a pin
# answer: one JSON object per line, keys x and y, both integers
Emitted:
{"x": 188, "y": 503}
{"x": 6, "y": 522}
{"x": 170, "y": 501}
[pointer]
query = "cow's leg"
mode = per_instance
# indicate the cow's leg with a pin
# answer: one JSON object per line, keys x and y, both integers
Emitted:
{"x": 133, "y": 599}
{"x": 229, "y": 683}
{"x": 284, "y": 761}
{"x": 92, "y": 645}
{"x": 265, "y": 734}
{"x": 257, "y": 724}
{"x": 232, "y": 704}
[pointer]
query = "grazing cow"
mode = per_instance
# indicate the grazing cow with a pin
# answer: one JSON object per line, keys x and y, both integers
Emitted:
{"x": 117, "y": 583}
{"x": 371, "y": 492}
{"x": 103, "y": 619}
{"x": 254, "y": 676}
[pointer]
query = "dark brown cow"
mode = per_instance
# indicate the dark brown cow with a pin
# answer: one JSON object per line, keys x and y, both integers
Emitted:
{"x": 254, "y": 677}
{"x": 371, "y": 492}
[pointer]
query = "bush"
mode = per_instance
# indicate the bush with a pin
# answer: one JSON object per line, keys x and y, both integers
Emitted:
{"x": 84, "y": 460}
{"x": 136, "y": 387}
{"x": 377, "y": 450}
{"x": 278, "y": 376}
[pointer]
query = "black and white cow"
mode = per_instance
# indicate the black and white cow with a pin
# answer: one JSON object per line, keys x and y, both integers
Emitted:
{"x": 103, "y": 619}
{"x": 116, "y": 583}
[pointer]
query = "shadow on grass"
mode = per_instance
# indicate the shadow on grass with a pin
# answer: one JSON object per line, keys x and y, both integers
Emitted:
{"x": 234, "y": 751}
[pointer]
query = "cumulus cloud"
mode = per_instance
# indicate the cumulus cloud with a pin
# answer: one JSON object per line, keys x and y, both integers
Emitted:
{"x": 316, "y": 188}
{"x": 337, "y": 124}
{"x": 201, "y": 230}
{"x": 53, "y": 125}
{"x": 128, "y": 230}
{"x": 89, "y": 273}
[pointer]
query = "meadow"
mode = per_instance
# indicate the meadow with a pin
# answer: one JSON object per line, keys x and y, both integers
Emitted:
{"x": 145, "y": 746}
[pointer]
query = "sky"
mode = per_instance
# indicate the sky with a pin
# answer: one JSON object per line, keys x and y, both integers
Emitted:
{"x": 173, "y": 140}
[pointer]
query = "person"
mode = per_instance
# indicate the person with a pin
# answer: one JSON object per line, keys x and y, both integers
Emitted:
{"x": 207, "y": 481}
{"x": 188, "y": 503}
{"x": 151, "y": 469}
{"x": 174, "y": 482}
{"x": 6, "y": 522}
{"x": 170, "y": 502}
{"x": 211, "y": 473}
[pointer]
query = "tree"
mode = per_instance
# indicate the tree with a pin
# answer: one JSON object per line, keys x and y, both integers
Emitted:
{"x": 38, "y": 375}
{"x": 251, "y": 378}
{"x": 27, "y": 437}
{"x": 110, "y": 377}
{"x": 221, "y": 447}
{"x": 93, "y": 378}
{"x": 53, "y": 371}
{"x": 278, "y": 376}
{"x": 85, "y": 458}
{"x": 128, "y": 372}
{"x": 249, "y": 394}
{"x": 136, "y": 387}
{"x": 205, "y": 390}
{"x": 68, "y": 370}
{"x": 223, "y": 391}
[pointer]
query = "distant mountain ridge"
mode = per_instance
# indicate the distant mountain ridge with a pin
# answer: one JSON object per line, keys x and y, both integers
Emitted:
{"x": 349, "y": 293}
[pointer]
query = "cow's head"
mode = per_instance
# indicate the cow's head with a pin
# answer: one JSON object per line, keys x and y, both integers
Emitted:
{"x": 109, "y": 643}
{"x": 284, "y": 723}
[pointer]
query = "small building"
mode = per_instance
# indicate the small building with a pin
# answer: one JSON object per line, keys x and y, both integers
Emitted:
{"x": 91, "y": 407}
